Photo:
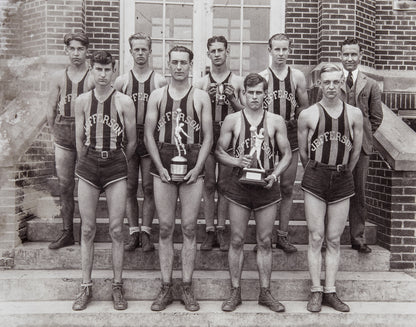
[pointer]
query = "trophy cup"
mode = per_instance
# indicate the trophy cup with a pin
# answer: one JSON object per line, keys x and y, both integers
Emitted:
{"x": 220, "y": 96}
{"x": 255, "y": 175}
{"x": 179, "y": 164}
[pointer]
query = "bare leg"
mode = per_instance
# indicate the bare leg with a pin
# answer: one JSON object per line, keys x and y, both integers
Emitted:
{"x": 166, "y": 196}
{"x": 87, "y": 200}
{"x": 190, "y": 196}
{"x": 116, "y": 194}
{"x": 238, "y": 219}
{"x": 132, "y": 207}
{"x": 223, "y": 172}
{"x": 209, "y": 192}
{"x": 315, "y": 210}
{"x": 147, "y": 184}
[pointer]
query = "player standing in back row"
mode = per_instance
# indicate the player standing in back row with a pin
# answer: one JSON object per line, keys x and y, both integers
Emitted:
{"x": 138, "y": 83}
{"x": 225, "y": 91}
{"x": 287, "y": 96}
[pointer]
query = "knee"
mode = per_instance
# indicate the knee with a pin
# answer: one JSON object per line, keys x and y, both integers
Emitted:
{"x": 237, "y": 242}
{"x": 316, "y": 239}
{"x": 131, "y": 187}
{"x": 88, "y": 232}
{"x": 209, "y": 185}
{"x": 333, "y": 242}
{"x": 66, "y": 185}
{"x": 286, "y": 189}
{"x": 148, "y": 190}
{"x": 264, "y": 243}
{"x": 189, "y": 231}
{"x": 165, "y": 231}
{"x": 116, "y": 233}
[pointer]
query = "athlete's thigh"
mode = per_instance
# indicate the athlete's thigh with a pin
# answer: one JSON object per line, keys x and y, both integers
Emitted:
{"x": 265, "y": 219}
{"x": 315, "y": 210}
{"x": 65, "y": 162}
{"x": 133, "y": 172}
{"x": 116, "y": 195}
{"x": 147, "y": 178}
{"x": 239, "y": 217}
{"x": 88, "y": 196}
{"x": 288, "y": 177}
{"x": 190, "y": 196}
{"x": 166, "y": 196}
{"x": 210, "y": 164}
{"x": 337, "y": 217}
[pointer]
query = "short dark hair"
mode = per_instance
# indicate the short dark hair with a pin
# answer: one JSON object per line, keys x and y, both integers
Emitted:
{"x": 253, "y": 79}
{"x": 140, "y": 36}
{"x": 78, "y": 36}
{"x": 216, "y": 38}
{"x": 102, "y": 57}
{"x": 280, "y": 36}
{"x": 180, "y": 48}
{"x": 350, "y": 40}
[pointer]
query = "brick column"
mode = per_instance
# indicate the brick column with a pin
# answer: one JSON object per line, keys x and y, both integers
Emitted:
{"x": 391, "y": 199}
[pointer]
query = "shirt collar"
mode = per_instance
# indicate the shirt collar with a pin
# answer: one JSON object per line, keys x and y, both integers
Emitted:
{"x": 354, "y": 74}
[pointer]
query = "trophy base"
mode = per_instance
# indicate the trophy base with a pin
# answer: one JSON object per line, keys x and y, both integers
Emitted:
{"x": 253, "y": 176}
{"x": 178, "y": 168}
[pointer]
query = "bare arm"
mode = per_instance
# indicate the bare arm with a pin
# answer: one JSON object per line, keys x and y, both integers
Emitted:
{"x": 119, "y": 83}
{"x": 160, "y": 81}
{"x": 231, "y": 91}
{"x": 206, "y": 121}
{"x": 303, "y": 131}
{"x": 53, "y": 97}
{"x": 301, "y": 92}
{"x": 79, "y": 125}
{"x": 357, "y": 128}
{"x": 149, "y": 139}
{"x": 129, "y": 125}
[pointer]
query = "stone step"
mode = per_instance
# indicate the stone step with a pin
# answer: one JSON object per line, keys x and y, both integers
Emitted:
{"x": 36, "y": 255}
{"x": 53, "y": 187}
{"x": 249, "y": 314}
{"x": 50, "y": 285}
{"x": 49, "y": 207}
{"x": 46, "y": 230}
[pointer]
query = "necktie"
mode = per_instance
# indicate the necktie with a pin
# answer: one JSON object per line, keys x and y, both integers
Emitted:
{"x": 350, "y": 82}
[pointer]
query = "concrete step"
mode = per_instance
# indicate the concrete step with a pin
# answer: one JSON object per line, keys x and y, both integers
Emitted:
{"x": 46, "y": 230}
{"x": 49, "y": 207}
{"x": 36, "y": 255}
{"x": 249, "y": 314}
{"x": 50, "y": 285}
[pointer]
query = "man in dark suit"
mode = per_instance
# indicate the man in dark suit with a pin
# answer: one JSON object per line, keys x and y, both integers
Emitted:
{"x": 364, "y": 93}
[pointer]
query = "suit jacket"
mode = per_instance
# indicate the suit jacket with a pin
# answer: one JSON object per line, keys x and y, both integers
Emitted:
{"x": 368, "y": 99}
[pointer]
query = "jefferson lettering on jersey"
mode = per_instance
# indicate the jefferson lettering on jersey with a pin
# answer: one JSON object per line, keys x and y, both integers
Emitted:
{"x": 331, "y": 142}
{"x": 244, "y": 141}
{"x": 139, "y": 93}
{"x": 103, "y": 125}
{"x": 69, "y": 92}
{"x": 165, "y": 129}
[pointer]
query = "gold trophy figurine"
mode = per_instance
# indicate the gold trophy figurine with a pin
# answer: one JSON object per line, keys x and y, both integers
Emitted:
{"x": 220, "y": 94}
{"x": 255, "y": 175}
{"x": 179, "y": 164}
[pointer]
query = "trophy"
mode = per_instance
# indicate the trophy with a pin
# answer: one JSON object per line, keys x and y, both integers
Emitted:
{"x": 255, "y": 175}
{"x": 220, "y": 96}
{"x": 179, "y": 164}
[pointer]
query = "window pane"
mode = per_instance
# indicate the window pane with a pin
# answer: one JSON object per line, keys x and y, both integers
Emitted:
{"x": 149, "y": 19}
{"x": 255, "y": 58}
{"x": 227, "y": 2}
{"x": 226, "y": 22}
{"x": 256, "y": 22}
{"x": 179, "y": 21}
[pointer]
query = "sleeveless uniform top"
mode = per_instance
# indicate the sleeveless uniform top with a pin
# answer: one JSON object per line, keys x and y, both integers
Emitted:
{"x": 243, "y": 143}
{"x": 103, "y": 126}
{"x": 282, "y": 95}
{"x": 220, "y": 111}
{"x": 69, "y": 92}
{"x": 165, "y": 129}
{"x": 331, "y": 141}
{"x": 139, "y": 93}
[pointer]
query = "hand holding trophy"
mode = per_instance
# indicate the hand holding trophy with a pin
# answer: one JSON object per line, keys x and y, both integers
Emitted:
{"x": 220, "y": 96}
{"x": 255, "y": 175}
{"x": 179, "y": 164}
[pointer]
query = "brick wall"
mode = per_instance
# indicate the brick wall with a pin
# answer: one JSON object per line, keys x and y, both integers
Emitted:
{"x": 395, "y": 36}
{"x": 365, "y": 29}
{"x": 302, "y": 28}
{"x": 34, "y": 28}
{"x": 391, "y": 199}
{"x": 10, "y": 29}
{"x": 103, "y": 25}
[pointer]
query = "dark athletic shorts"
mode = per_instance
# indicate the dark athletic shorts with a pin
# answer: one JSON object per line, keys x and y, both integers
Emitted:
{"x": 102, "y": 168}
{"x": 167, "y": 151}
{"x": 141, "y": 148}
{"x": 251, "y": 197}
{"x": 64, "y": 132}
{"x": 327, "y": 183}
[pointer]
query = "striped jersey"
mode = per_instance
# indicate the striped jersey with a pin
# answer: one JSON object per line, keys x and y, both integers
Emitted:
{"x": 244, "y": 142}
{"x": 282, "y": 95}
{"x": 139, "y": 93}
{"x": 69, "y": 92}
{"x": 168, "y": 118}
{"x": 219, "y": 111}
{"x": 331, "y": 141}
{"x": 103, "y": 126}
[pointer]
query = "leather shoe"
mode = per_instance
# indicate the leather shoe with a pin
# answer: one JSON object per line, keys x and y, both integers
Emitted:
{"x": 133, "y": 242}
{"x": 362, "y": 248}
{"x": 233, "y": 301}
{"x": 83, "y": 298}
{"x": 163, "y": 299}
{"x": 188, "y": 298}
{"x": 119, "y": 302}
{"x": 266, "y": 298}
{"x": 65, "y": 239}
{"x": 332, "y": 300}
{"x": 147, "y": 244}
{"x": 315, "y": 302}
